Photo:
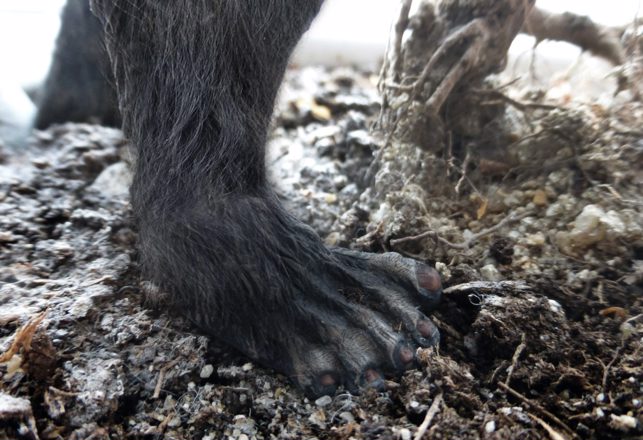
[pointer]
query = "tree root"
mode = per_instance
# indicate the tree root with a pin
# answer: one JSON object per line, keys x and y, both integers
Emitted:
{"x": 579, "y": 30}
{"x": 450, "y": 49}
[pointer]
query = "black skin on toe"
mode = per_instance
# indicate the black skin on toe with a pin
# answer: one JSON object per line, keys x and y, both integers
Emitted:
{"x": 196, "y": 83}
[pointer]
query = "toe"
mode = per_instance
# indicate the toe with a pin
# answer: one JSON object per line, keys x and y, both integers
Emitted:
{"x": 429, "y": 285}
{"x": 372, "y": 378}
{"x": 403, "y": 356}
{"x": 325, "y": 384}
{"x": 317, "y": 370}
{"x": 428, "y": 278}
{"x": 427, "y": 334}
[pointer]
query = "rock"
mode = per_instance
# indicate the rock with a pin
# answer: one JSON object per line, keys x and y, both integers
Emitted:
{"x": 324, "y": 401}
{"x": 540, "y": 198}
{"x": 360, "y": 137}
{"x": 623, "y": 422}
{"x": 7, "y": 237}
{"x": 174, "y": 422}
{"x": 443, "y": 270}
{"x": 404, "y": 434}
{"x": 537, "y": 239}
{"x": 593, "y": 225}
{"x": 206, "y": 371}
{"x": 323, "y": 132}
{"x": 490, "y": 273}
{"x": 320, "y": 112}
{"x": 113, "y": 181}
{"x": 11, "y": 407}
{"x": 247, "y": 366}
{"x": 91, "y": 218}
{"x": 318, "y": 418}
{"x": 81, "y": 307}
{"x": 18, "y": 410}
{"x": 99, "y": 384}
{"x": 347, "y": 417}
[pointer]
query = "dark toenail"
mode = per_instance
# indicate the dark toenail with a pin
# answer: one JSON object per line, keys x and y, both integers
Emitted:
{"x": 406, "y": 355}
{"x": 372, "y": 378}
{"x": 428, "y": 278}
{"x": 326, "y": 385}
{"x": 425, "y": 328}
{"x": 428, "y": 331}
{"x": 403, "y": 356}
{"x": 327, "y": 380}
{"x": 371, "y": 375}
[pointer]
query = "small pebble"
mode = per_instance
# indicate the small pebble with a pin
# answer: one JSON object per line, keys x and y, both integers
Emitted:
{"x": 347, "y": 417}
{"x": 174, "y": 422}
{"x": 247, "y": 366}
{"x": 405, "y": 434}
{"x": 206, "y": 371}
{"x": 490, "y": 273}
{"x": 540, "y": 198}
{"x": 623, "y": 422}
{"x": 323, "y": 401}
{"x": 537, "y": 239}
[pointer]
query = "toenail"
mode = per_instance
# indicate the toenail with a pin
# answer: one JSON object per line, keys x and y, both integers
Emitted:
{"x": 406, "y": 355}
{"x": 326, "y": 384}
{"x": 428, "y": 278}
{"x": 327, "y": 380}
{"x": 373, "y": 379}
{"x": 371, "y": 376}
{"x": 427, "y": 329}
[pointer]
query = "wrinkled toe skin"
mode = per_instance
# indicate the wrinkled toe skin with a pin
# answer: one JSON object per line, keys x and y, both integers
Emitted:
{"x": 370, "y": 317}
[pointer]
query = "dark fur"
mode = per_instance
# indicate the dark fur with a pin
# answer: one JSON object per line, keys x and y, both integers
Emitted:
{"x": 80, "y": 86}
{"x": 197, "y": 81}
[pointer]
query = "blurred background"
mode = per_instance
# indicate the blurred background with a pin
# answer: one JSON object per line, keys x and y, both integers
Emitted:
{"x": 347, "y": 32}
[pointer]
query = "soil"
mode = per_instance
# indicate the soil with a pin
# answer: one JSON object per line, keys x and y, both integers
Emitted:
{"x": 541, "y": 322}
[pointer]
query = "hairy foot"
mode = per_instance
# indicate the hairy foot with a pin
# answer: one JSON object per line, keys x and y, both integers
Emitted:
{"x": 255, "y": 278}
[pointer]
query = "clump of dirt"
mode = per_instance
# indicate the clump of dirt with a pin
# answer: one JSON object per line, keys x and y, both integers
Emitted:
{"x": 541, "y": 321}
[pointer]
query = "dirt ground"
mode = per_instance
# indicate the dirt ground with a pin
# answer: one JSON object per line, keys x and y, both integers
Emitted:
{"x": 541, "y": 322}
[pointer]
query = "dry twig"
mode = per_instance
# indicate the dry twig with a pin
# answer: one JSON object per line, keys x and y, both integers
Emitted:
{"x": 433, "y": 410}
{"x": 63, "y": 393}
{"x": 579, "y": 30}
{"x": 606, "y": 369}
{"x": 160, "y": 429}
{"x": 161, "y": 378}
{"x": 469, "y": 241}
{"x": 537, "y": 407}
{"x": 522, "y": 106}
{"x": 555, "y": 435}
{"x": 514, "y": 358}
{"x": 487, "y": 287}
{"x": 23, "y": 337}
{"x": 463, "y": 177}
